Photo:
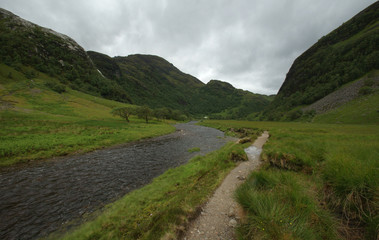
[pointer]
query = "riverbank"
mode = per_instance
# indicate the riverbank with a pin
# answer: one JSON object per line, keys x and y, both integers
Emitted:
{"x": 318, "y": 181}
{"x": 40, "y": 198}
{"x": 164, "y": 207}
{"x": 28, "y": 137}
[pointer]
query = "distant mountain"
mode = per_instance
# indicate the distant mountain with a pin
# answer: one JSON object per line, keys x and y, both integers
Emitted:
{"x": 344, "y": 55}
{"x": 154, "y": 81}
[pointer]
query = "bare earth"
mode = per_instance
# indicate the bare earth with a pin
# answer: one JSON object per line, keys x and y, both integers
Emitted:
{"x": 221, "y": 214}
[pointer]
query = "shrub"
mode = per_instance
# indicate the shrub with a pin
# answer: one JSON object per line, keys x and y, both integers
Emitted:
{"x": 56, "y": 87}
{"x": 365, "y": 90}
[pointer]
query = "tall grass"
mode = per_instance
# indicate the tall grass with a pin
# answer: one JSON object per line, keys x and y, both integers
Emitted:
{"x": 282, "y": 205}
{"x": 339, "y": 163}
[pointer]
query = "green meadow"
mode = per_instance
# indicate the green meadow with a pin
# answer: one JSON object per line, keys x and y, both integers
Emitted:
{"x": 37, "y": 122}
{"x": 317, "y": 181}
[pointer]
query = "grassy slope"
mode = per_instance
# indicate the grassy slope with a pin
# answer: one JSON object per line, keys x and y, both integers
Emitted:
{"x": 42, "y": 123}
{"x": 315, "y": 175}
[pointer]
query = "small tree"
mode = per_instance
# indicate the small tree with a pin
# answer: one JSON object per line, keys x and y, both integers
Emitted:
{"x": 123, "y": 112}
{"x": 144, "y": 112}
{"x": 161, "y": 113}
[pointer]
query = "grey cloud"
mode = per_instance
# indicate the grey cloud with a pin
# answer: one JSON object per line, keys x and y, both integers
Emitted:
{"x": 249, "y": 43}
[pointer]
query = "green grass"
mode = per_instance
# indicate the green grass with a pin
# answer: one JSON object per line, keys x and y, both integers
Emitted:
{"x": 40, "y": 123}
{"x": 195, "y": 149}
{"x": 324, "y": 177}
{"x": 162, "y": 208}
{"x": 282, "y": 205}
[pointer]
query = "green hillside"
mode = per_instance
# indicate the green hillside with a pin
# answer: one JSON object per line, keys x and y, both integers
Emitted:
{"x": 221, "y": 100}
{"x": 154, "y": 81}
{"x": 23, "y": 43}
{"x": 138, "y": 79}
{"x": 38, "y": 122}
{"x": 345, "y": 54}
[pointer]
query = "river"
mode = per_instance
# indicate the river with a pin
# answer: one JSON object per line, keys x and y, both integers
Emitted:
{"x": 40, "y": 198}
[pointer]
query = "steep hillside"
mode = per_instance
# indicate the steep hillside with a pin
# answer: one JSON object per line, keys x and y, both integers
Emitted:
{"x": 24, "y": 44}
{"x": 221, "y": 100}
{"x": 343, "y": 55}
{"x": 154, "y": 81}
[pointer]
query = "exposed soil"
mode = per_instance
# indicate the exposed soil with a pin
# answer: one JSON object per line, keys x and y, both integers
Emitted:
{"x": 221, "y": 214}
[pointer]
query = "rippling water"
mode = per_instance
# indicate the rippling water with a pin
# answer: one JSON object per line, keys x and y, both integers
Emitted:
{"x": 38, "y": 199}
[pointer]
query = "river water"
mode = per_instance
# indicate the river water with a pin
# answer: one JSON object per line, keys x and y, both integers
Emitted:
{"x": 38, "y": 199}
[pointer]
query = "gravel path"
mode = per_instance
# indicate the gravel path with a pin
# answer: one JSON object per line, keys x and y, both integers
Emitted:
{"x": 221, "y": 214}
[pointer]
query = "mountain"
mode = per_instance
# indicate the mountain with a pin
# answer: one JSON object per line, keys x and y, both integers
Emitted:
{"x": 221, "y": 100}
{"x": 25, "y": 44}
{"x": 149, "y": 80}
{"x": 342, "y": 56}
{"x": 138, "y": 79}
{"x": 153, "y": 81}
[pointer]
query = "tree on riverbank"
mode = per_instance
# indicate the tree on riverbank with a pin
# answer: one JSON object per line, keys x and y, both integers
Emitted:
{"x": 144, "y": 112}
{"x": 123, "y": 112}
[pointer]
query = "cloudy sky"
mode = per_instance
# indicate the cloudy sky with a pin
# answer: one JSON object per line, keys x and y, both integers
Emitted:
{"x": 248, "y": 43}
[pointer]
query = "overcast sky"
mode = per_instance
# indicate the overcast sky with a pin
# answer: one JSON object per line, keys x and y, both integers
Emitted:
{"x": 248, "y": 43}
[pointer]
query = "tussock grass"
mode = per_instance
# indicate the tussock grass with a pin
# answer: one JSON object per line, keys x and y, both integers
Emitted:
{"x": 162, "y": 208}
{"x": 325, "y": 176}
{"x": 282, "y": 205}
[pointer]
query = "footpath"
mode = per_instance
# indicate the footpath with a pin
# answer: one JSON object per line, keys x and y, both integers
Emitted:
{"x": 220, "y": 215}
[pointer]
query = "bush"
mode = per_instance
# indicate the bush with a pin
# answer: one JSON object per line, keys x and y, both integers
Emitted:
{"x": 294, "y": 114}
{"x": 56, "y": 87}
{"x": 365, "y": 90}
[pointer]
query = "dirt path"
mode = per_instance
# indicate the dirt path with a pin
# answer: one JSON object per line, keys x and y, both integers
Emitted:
{"x": 220, "y": 215}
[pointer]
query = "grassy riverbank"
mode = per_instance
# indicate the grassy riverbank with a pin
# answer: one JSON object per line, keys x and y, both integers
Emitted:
{"x": 319, "y": 181}
{"x": 37, "y": 122}
{"x": 162, "y": 208}
{"x": 26, "y": 137}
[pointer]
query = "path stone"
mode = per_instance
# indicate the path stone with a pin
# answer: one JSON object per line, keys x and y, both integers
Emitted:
{"x": 219, "y": 217}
